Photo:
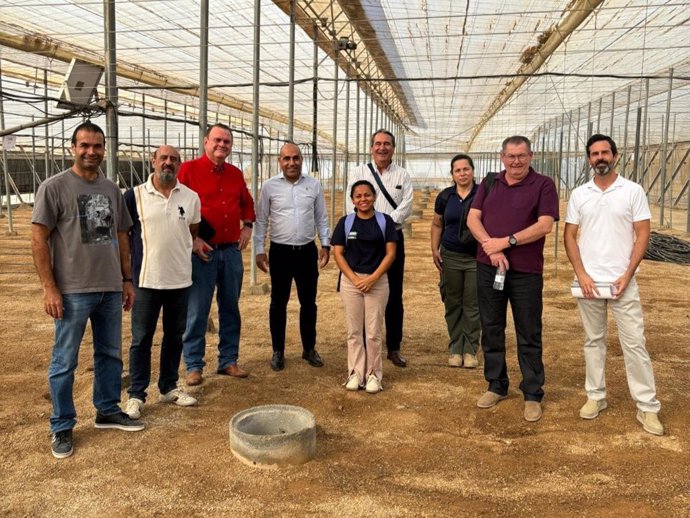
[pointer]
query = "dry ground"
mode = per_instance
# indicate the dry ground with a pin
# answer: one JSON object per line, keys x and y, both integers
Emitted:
{"x": 420, "y": 448}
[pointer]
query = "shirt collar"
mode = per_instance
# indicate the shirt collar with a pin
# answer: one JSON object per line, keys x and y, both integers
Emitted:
{"x": 618, "y": 182}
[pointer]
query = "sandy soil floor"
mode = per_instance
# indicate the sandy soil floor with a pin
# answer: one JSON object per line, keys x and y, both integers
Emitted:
{"x": 420, "y": 448}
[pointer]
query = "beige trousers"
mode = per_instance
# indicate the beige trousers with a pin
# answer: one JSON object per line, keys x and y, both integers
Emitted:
{"x": 364, "y": 312}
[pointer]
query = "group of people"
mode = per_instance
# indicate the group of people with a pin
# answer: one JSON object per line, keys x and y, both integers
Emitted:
{"x": 487, "y": 241}
{"x": 170, "y": 243}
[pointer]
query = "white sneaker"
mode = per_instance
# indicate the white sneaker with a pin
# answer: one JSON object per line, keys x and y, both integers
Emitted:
{"x": 353, "y": 382}
{"x": 373, "y": 385}
{"x": 134, "y": 408}
{"x": 179, "y": 397}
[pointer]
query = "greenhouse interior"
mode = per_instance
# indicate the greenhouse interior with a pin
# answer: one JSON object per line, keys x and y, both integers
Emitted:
{"x": 444, "y": 77}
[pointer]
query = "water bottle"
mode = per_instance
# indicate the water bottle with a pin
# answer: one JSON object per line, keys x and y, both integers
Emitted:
{"x": 500, "y": 279}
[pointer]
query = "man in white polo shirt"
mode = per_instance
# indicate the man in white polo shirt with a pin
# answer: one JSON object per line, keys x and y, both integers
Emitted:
{"x": 166, "y": 216}
{"x": 613, "y": 217}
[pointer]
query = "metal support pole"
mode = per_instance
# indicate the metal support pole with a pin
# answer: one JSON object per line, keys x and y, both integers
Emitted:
{"x": 613, "y": 109}
{"x": 203, "y": 73}
{"x": 644, "y": 124}
{"x": 5, "y": 167}
{"x": 625, "y": 131}
{"x": 110, "y": 90}
{"x": 315, "y": 102}
{"x": 335, "y": 132}
{"x": 291, "y": 73}
{"x": 46, "y": 108}
{"x": 144, "y": 176}
{"x": 357, "y": 134}
{"x": 184, "y": 131}
{"x": 62, "y": 145}
{"x": 664, "y": 146}
{"x": 255, "y": 124}
{"x": 636, "y": 151}
{"x": 346, "y": 155}
{"x": 165, "y": 120}
{"x": 365, "y": 133}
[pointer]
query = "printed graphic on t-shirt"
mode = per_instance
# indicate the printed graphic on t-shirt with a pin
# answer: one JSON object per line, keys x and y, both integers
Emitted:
{"x": 95, "y": 218}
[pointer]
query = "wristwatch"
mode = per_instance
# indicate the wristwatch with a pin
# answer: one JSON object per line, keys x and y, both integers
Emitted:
{"x": 512, "y": 241}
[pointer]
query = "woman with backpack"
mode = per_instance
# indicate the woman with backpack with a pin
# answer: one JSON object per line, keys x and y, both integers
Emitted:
{"x": 454, "y": 251}
{"x": 364, "y": 248}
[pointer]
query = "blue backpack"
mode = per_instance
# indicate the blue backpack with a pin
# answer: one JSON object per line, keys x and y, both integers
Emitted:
{"x": 350, "y": 220}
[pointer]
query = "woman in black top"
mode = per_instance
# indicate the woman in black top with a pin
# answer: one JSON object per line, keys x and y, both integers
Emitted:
{"x": 364, "y": 249}
{"x": 454, "y": 251}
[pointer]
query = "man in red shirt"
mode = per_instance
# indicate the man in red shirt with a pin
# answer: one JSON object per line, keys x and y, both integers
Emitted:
{"x": 217, "y": 257}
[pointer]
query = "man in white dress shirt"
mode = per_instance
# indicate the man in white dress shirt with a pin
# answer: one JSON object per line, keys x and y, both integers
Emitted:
{"x": 295, "y": 206}
{"x": 394, "y": 197}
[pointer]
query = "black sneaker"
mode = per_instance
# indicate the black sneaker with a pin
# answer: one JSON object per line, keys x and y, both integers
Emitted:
{"x": 119, "y": 421}
{"x": 62, "y": 445}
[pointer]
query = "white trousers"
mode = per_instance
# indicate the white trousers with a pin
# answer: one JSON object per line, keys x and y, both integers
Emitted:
{"x": 627, "y": 311}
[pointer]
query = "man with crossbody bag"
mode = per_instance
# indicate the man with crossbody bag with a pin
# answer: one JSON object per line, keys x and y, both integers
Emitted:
{"x": 395, "y": 199}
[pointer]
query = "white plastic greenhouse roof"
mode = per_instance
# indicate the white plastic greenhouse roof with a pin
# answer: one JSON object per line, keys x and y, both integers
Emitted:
{"x": 458, "y": 75}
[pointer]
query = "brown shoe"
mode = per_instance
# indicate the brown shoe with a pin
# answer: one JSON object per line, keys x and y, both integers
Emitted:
{"x": 233, "y": 370}
{"x": 397, "y": 359}
{"x": 532, "y": 411}
{"x": 194, "y": 378}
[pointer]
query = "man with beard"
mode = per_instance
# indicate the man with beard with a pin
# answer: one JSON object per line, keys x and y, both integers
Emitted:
{"x": 85, "y": 277}
{"x": 227, "y": 212}
{"x": 613, "y": 219}
{"x": 166, "y": 217}
{"x": 295, "y": 206}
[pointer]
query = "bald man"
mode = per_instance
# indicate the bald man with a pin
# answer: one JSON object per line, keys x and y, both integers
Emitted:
{"x": 295, "y": 206}
{"x": 166, "y": 216}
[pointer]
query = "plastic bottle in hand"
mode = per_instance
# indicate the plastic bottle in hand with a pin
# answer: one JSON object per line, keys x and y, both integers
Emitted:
{"x": 500, "y": 279}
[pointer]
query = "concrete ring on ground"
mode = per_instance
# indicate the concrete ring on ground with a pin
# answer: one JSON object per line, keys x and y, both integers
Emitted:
{"x": 270, "y": 436}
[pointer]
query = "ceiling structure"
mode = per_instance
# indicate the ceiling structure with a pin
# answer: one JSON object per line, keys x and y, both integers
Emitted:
{"x": 452, "y": 75}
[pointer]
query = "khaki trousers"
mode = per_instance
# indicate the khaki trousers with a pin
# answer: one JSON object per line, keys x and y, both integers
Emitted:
{"x": 627, "y": 312}
{"x": 364, "y": 313}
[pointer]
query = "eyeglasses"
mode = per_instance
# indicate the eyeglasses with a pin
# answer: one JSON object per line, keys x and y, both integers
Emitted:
{"x": 512, "y": 158}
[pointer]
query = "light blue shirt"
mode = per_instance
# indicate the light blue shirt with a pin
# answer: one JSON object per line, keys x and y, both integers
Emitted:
{"x": 296, "y": 211}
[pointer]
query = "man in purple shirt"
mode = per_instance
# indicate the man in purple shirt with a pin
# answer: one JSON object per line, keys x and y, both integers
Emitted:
{"x": 510, "y": 223}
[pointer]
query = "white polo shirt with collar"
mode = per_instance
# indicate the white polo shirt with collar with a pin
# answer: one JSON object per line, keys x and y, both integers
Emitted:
{"x": 606, "y": 228}
{"x": 165, "y": 258}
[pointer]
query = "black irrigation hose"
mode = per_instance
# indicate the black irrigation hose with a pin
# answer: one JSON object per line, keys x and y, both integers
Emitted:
{"x": 667, "y": 249}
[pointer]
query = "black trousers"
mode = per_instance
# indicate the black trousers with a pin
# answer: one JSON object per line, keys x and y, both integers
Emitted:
{"x": 287, "y": 262}
{"x": 524, "y": 292}
{"x": 394, "y": 308}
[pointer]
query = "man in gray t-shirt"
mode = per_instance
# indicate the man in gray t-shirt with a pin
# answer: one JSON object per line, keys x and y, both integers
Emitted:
{"x": 81, "y": 252}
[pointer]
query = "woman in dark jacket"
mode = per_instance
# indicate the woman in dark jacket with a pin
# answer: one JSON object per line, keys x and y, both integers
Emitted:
{"x": 454, "y": 251}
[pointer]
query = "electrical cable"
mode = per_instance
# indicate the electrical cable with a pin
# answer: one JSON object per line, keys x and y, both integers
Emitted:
{"x": 667, "y": 249}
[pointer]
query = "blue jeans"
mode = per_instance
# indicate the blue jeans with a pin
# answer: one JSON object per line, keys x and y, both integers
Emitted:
{"x": 224, "y": 270}
{"x": 104, "y": 309}
{"x": 147, "y": 308}
{"x": 524, "y": 292}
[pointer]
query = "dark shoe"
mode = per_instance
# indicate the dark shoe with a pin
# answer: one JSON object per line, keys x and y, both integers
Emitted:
{"x": 278, "y": 361}
{"x": 194, "y": 378}
{"x": 396, "y": 359}
{"x": 62, "y": 445}
{"x": 312, "y": 358}
{"x": 118, "y": 421}
{"x": 234, "y": 371}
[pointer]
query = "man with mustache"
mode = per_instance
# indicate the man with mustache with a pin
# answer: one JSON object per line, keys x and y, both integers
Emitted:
{"x": 294, "y": 205}
{"x": 613, "y": 219}
{"x": 166, "y": 216}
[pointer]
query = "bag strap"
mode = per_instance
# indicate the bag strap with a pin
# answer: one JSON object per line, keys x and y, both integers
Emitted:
{"x": 489, "y": 183}
{"x": 377, "y": 177}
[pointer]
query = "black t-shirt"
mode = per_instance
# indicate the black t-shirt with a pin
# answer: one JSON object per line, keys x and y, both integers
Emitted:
{"x": 365, "y": 247}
